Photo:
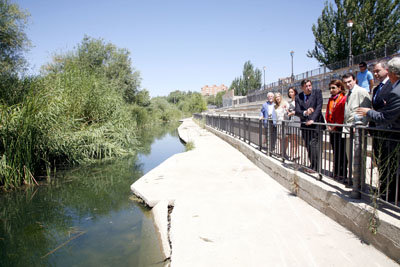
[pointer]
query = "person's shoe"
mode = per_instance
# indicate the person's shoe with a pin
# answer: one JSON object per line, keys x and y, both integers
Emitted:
{"x": 286, "y": 157}
{"x": 296, "y": 158}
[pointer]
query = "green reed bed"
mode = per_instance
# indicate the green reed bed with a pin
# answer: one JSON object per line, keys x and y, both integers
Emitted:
{"x": 71, "y": 117}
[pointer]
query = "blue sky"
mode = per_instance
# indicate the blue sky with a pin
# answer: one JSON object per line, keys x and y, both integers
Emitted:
{"x": 181, "y": 45}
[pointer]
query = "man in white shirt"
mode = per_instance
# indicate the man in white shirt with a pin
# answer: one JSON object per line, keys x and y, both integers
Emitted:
{"x": 356, "y": 97}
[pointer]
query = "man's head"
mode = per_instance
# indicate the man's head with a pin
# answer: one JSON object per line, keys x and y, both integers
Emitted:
{"x": 362, "y": 66}
{"x": 270, "y": 97}
{"x": 306, "y": 86}
{"x": 349, "y": 80}
{"x": 394, "y": 69}
{"x": 380, "y": 70}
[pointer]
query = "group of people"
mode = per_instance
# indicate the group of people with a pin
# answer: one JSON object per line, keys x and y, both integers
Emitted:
{"x": 276, "y": 109}
{"x": 353, "y": 99}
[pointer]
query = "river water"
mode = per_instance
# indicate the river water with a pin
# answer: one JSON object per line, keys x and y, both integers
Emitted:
{"x": 87, "y": 216}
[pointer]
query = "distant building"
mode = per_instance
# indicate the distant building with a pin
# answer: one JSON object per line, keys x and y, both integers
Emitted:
{"x": 213, "y": 90}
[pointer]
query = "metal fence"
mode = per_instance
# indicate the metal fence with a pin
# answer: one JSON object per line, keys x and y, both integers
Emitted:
{"x": 364, "y": 159}
{"x": 323, "y": 75}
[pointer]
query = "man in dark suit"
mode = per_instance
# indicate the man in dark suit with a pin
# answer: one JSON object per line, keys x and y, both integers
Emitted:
{"x": 308, "y": 107}
{"x": 388, "y": 117}
{"x": 380, "y": 92}
{"x": 379, "y": 99}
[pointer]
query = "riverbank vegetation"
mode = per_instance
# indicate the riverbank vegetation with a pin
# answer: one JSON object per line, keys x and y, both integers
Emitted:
{"x": 85, "y": 105}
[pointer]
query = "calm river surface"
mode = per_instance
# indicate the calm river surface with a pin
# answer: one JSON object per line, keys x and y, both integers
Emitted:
{"x": 86, "y": 216}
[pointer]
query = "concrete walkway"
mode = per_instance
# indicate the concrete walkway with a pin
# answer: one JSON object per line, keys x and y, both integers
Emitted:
{"x": 228, "y": 212}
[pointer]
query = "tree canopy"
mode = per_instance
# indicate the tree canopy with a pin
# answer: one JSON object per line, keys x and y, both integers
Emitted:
{"x": 13, "y": 39}
{"x": 376, "y": 24}
{"x": 250, "y": 80}
{"x": 103, "y": 59}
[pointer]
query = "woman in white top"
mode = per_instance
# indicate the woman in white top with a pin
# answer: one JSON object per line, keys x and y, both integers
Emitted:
{"x": 280, "y": 109}
{"x": 294, "y": 125}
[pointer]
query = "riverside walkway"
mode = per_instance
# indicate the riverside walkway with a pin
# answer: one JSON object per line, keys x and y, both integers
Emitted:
{"x": 228, "y": 212}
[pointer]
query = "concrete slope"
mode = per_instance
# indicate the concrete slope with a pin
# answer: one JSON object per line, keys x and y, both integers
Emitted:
{"x": 228, "y": 212}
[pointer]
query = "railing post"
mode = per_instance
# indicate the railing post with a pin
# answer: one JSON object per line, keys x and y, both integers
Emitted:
{"x": 283, "y": 143}
{"x": 244, "y": 128}
{"x": 229, "y": 124}
{"x": 260, "y": 134}
{"x": 351, "y": 155}
{"x": 268, "y": 137}
{"x": 248, "y": 129}
{"x": 239, "y": 126}
{"x": 355, "y": 193}
{"x": 320, "y": 140}
{"x": 364, "y": 146}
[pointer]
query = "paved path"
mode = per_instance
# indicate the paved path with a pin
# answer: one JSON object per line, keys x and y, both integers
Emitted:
{"x": 228, "y": 212}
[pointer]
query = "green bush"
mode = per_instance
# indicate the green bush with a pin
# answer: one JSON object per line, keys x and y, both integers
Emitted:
{"x": 69, "y": 116}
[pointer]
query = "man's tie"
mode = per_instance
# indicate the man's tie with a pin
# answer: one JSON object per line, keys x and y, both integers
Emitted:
{"x": 378, "y": 90}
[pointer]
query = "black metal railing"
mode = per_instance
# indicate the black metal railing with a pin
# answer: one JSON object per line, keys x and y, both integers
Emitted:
{"x": 320, "y": 76}
{"x": 363, "y": 158}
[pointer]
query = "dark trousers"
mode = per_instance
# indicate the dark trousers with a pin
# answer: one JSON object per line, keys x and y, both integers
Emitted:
{"x": 339, "y": 153}
{"x": 310, "y": 137}
{"x": 272, "y": 135}
{"x": 386, "y": 147}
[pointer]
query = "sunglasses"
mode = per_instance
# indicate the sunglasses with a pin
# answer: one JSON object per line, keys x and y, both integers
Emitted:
{"x": 333, "y": 87}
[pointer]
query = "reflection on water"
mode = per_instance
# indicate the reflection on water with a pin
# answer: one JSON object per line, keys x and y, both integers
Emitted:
{"x": 85, "y": 217}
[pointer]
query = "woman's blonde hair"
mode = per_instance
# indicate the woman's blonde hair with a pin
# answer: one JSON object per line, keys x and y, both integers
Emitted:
{"x": 282, "y": 101}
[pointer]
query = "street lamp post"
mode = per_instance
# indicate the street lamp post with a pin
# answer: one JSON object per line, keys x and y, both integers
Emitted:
{"x": 291, "y": 54}
{"x": 350, "y": 25}
{"x": 264, "y": 77}
{"x": 247, "y": 84}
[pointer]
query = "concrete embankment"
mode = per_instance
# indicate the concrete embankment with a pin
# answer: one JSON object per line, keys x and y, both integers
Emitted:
{"x": 229, "y": 212}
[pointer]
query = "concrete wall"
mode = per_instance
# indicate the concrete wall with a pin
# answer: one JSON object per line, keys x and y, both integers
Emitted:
{"x": 330, "y": 198}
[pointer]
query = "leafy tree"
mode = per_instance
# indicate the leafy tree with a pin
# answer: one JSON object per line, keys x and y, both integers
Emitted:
{"x": 142, "y": 98}
{"x": 13, "y": 43}
{"x": 218, "y": 98}
{"x": 197, "y": 103}
{"x": 102, "y": 59}
{"x": 176, "y": 96}
{"x": 376, "y": 24}
{"x": 210, "y": 100}
{"x": 13, "y": 39}
{"x": 236, "y": 85}
{"x": 250, "y": 80}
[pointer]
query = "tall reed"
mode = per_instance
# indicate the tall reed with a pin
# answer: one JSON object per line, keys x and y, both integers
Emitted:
{"x": 71, "y": 117}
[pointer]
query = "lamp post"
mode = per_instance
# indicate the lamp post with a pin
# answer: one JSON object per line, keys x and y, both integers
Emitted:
{"x": 350, "y": 25}
{"x": 264, "y": 68}
{"x": 247, "y": 84}
{"x": 291, "y": 54}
